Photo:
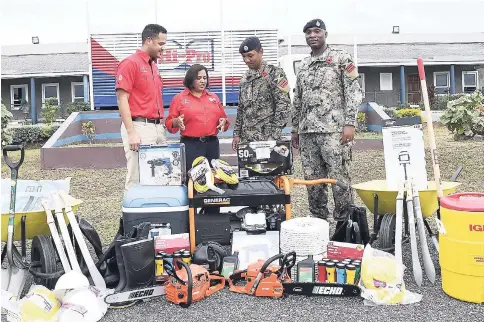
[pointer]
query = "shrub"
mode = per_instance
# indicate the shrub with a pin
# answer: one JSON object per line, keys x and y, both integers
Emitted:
{"x": 440, "y": 102}
{"x": 32, "y": 133}
{"x": 391, "y": 112}
{"x": 6, "y": 118}
{"x": 464, "y": 116}
{"x": 78, "y": 107}
{"x": 50, "y": 111}
{"x": 362, "y": 125}
{"x": 89, "y": 130}
{"x": 401, "y": 106}
{"x": 408, "y": 112}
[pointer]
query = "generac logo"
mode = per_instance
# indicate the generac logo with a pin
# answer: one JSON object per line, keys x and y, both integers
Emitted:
{"x": 476, "y": 227}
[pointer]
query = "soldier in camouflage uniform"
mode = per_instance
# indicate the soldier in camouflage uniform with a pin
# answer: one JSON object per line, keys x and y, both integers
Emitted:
{"x": 264, "y": 101}
{"x": 326, "y": 102}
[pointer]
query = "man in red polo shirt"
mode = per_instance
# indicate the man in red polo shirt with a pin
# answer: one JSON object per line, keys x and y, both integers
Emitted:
{"x": 138, "y": 89}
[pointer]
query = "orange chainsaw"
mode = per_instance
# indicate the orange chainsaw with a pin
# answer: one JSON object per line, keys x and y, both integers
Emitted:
{"x": 262, "y": 278}
{"x": 190, "y": 283}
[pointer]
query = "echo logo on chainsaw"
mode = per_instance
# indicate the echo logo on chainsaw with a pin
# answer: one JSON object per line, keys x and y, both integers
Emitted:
{"x": 476, "y": 228}
{"x": 137, "y": 294}
{"x": 326, "y": 290}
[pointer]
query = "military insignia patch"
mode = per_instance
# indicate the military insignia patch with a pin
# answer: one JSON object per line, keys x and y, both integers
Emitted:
{"x": 283, "y": 84}
{"x": 351, "y": 71}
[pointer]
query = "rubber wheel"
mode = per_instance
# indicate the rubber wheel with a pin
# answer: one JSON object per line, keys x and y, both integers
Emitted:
{"x": 43, "y": 251}
{"x": 386, "y": 235}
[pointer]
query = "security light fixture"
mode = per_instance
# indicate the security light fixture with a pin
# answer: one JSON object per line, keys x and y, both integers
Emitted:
{"x": 35, "y": 40}
{"x": 396, "y": 29}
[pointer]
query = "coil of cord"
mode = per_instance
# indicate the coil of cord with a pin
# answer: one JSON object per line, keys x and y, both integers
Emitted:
{"x": 224, "y": 172}
{"x": 201, "y": 185}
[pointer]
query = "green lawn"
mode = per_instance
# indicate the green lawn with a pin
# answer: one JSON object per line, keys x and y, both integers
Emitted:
{"x": 102, "y": 190}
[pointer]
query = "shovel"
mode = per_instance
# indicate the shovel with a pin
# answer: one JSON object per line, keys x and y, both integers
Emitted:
{"x": 16, "y": 277}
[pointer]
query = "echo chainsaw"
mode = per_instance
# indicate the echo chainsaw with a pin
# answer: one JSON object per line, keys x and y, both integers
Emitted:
{"x": 186, "y": 285}
{"x": 191, "y": 283}
{"x": 263, "y": 278}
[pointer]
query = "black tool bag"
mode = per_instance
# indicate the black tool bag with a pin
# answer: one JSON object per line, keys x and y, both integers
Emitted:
{"x": 354, "y": 229}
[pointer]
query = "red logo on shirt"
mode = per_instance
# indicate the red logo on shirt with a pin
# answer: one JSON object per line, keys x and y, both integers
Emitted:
{"x": 329, "y": 60}
{"x": 264, "y": 74}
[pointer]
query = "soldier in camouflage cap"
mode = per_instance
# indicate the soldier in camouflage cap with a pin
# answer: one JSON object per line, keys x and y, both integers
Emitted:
{"x": 326, "y": 102}
{"x": 264, "y": 101}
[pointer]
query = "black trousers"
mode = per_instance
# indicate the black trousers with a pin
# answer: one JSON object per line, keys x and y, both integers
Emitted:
{"x": 208, "y": 148}
{"x": 194, "y": 148}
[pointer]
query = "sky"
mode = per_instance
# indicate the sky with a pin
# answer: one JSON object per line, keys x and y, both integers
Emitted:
{"x": 58, "y": 21}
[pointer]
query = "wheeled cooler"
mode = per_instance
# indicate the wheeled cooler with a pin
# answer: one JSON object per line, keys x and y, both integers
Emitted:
{"x": 156, "y": 204}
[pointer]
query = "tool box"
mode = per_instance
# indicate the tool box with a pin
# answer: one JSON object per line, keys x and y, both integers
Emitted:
{"x": 264, "y": 158}
{"x": 162, "y": 164}
{"x": 156, "y": 204}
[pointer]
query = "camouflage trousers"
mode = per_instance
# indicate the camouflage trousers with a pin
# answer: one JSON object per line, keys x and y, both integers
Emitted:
{"x": 261, "y": 133}
{"x": 323, "y": 156}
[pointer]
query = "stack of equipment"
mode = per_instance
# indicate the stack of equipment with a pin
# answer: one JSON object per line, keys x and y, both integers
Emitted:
{"x": 264, "y": 158}
{"x": 156, "y": 205}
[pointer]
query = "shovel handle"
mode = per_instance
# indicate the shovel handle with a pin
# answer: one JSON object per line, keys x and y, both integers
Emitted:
{"x": 12, "y": 148}
{"x": 321, "y": 181}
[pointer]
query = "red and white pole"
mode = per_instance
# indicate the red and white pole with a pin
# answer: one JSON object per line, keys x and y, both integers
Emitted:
{"x": 428, "y": 118}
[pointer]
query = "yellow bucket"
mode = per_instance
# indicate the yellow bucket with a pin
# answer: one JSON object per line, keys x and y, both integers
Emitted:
{"x": 462, "y": 246}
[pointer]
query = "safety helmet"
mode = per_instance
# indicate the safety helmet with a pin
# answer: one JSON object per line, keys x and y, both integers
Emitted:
{"x": 70, "y": 281}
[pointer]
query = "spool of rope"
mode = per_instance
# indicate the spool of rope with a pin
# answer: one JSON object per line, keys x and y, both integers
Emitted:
{"x": 200, "y": 184}
{"x": 224, "y": 171}
{"x": 305, "y": 236}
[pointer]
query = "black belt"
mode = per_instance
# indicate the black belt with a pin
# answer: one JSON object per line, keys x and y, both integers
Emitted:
{"x": 201, "y": 138}
{"x": 146, "y": 120}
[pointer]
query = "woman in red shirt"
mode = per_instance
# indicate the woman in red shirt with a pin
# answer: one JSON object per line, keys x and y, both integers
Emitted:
{"x": 199, "y": 115}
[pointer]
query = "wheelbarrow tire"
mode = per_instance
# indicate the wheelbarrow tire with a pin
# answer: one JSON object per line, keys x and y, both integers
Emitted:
{"x": 43, "y": 251}
{"x": 387, "y": 233}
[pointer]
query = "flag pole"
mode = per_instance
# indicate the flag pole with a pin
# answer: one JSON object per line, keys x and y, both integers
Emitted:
{"x": 224, "y": 98}
{"x": 89, "y": 49}
{"x": 289, "y": 42}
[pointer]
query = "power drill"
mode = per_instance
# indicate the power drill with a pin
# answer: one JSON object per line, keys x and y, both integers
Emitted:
{"x": 159, "y": 162}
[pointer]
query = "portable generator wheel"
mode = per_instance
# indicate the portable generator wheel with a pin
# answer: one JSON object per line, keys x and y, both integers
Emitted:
{"x": 386, "y": 235}
{"x": 43, "y": 252}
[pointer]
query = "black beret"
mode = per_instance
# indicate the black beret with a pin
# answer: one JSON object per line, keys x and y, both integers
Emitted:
{"x": 315, "y": 23}
{"x": 249, "y": 44}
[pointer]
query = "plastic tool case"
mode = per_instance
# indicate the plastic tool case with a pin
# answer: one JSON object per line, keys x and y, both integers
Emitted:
{"x": 264, "y": 158}
{"x": 156, "y": 204}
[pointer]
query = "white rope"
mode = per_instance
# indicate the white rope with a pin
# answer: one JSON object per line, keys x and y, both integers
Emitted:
{"x": 305, "y": 236}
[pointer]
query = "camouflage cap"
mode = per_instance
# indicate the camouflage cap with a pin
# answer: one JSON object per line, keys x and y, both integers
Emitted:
{"x": 315, "y": 23}
{"x": 249, "y": 44}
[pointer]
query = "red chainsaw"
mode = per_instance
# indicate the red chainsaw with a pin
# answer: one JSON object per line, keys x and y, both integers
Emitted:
{"x": 262, "y": 278}
{"x": 190, "y": 283}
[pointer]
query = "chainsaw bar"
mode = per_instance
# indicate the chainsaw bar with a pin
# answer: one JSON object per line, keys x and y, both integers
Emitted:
{"x": 322, "y": 289}
{"x": 135, "y": 295}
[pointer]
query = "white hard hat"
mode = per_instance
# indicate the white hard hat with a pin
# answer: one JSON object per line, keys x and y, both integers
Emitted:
{"x": 70, "y": 281}
{"x": 40, "y": 304}
{"x": 82, "y": 305}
